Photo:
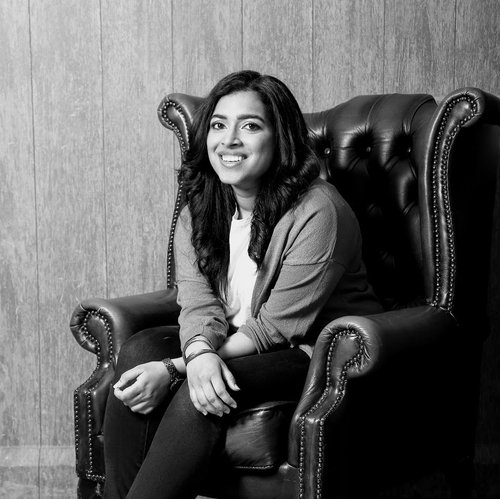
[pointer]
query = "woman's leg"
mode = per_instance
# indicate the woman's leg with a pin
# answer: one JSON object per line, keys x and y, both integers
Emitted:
{"x": 186, "y": 441}
{"x": 127, "y": 435}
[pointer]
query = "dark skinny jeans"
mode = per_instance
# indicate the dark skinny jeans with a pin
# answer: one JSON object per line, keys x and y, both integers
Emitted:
{"x": 165, "y": 454}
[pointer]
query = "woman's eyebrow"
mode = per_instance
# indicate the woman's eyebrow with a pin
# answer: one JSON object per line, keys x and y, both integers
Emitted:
{"x": 239, "y": 117}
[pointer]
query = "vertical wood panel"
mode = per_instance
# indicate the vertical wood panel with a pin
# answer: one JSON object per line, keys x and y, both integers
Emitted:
{"x": 277, "y": 40}
{"x": 206, "y": 43}
{"x": 206, "y": 46}
{"x": 138, "y": 150}
{"x": 419, "y": 45}
{"x": 477, "y": 55}
{"x": 69, "y": 181}
{"x": 19, "y": 394}
{"x": 348, "y": 49}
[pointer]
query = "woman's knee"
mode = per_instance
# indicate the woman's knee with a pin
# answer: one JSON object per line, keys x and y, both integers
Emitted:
{"x": 146, "y": 346}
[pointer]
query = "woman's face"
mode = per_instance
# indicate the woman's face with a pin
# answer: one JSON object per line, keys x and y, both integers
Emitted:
{"x": 240, "y": 142}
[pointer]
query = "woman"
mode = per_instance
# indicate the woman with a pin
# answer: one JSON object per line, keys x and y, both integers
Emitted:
{"x": 267, "y": 254}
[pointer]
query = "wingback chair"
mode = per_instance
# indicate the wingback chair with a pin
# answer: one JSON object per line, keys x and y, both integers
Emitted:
{"x": 390, "y": 396}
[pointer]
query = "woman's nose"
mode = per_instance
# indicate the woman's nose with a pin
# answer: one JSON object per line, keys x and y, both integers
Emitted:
{"x": 232, "y": 137}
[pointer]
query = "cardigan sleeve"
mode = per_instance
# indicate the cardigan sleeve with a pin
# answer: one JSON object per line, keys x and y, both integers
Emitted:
{"x": 201, "y": 311}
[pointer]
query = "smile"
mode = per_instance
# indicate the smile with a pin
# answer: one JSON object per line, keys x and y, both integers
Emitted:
{"x": 231, "y": 159}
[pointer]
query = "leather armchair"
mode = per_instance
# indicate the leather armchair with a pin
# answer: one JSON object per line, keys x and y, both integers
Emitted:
{"x": 390, "y": 396}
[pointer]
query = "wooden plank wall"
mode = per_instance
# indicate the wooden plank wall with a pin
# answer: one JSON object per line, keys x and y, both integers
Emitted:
{"x": 88, "y": 173}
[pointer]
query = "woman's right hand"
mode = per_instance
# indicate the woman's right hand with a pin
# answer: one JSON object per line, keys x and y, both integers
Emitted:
{"x": 143, "y": 387}
{"x": 208, "y": 378}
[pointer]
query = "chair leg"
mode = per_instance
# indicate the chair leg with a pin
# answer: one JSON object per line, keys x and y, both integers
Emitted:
{"x": 461, "y": 479}
{"x": 88, "y": 489}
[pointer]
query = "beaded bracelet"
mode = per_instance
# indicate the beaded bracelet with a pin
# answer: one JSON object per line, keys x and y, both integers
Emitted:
{"x": 198, "y": 353}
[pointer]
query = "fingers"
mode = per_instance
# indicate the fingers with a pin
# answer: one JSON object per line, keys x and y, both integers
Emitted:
{"x": 229, "y": 378}
{"x": 142, "y": 408}
{"x": 136, "y": 399}
{"x": 222, "y": 393}
{"x": 204, "y": 399}
{"x": 133, "y": 394}
{"x": 211, "y": 401}
{"x": 128, "y": 377}
{"x": 207, "y": 377}
{"x": 196, "y": 403}
{"x": 130, "y": 395}
{"x": 211, "y": 396}
{"x": 144, "y": 384}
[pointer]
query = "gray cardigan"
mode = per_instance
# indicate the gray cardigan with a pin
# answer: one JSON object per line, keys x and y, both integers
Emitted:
{"x": 312, "y": 273}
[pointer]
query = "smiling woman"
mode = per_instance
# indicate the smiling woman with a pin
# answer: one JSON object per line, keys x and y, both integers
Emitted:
{"x": 240, "y": 146}
{"x": 258, "y": 277}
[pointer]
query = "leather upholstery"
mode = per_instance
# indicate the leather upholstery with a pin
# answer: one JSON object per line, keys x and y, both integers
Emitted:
{"x": 386, "y": 392}
{"x": 257, "y": 439}
{"x": 370, "y": 148}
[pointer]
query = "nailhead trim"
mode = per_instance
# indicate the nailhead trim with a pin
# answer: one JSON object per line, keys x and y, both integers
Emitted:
{"x": 440, "y": 171}
{"x": 267, "y": 467}
{"x": 356, "y": 359}
{"x": 168, "y": 123}
{"x": 89, "y": 473}
{"x": 173, "y": 225}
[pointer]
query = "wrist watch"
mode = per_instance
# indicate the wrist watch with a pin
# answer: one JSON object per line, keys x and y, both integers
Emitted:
{"x": 175, "y": 377}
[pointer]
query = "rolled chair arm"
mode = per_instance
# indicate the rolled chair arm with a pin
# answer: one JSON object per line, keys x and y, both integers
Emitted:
{"x": 485, "y": 106}
{"x": 101, "y": 327}
{"x": 351, "y": 347}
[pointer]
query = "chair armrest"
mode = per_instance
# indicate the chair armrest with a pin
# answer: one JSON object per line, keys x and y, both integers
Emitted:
{"x": 351, "y": 347}
{"x": 101, "y": 326}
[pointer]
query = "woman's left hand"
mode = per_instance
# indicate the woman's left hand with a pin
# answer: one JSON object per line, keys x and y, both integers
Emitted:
{"x": 143, "y": 387}
{"x": 209, "y": 378}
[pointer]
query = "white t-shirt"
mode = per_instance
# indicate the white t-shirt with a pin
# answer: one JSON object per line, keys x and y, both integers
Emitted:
{"x": 241, "y": 274}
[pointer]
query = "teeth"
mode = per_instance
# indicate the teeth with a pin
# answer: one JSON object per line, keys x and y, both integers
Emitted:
{"x": 230, "y": 158}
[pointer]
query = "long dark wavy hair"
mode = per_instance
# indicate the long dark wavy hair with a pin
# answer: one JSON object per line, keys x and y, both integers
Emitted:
{"x": 212, "y": 203}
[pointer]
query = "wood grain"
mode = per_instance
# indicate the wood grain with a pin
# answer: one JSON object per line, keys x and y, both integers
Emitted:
{"x": 348, "y": 50}
{"x": 19, "y": 472}
{"x": 477, "y": 54}
{"x": 419, "y": 45}
{"x": 277, "y": 39}
{"x": 70, "y": 193}
{"x": 58, "y": 479}
{"x": 138, "y": 150}
{"x": 19, "y": 390}
{"x": 36, "y": 472}
{"x": 207, "y": 43}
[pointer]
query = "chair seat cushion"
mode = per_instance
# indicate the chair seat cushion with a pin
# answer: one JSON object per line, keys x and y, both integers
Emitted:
{"x": 257, "y": 438}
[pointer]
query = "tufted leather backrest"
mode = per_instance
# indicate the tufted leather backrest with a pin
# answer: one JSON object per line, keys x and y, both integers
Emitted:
{"x": 402, "y": 163}
{"x": 369, "y": 150}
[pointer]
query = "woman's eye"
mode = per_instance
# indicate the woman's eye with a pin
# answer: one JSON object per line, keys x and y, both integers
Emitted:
{"x": 253, "y": 127}
{"x": 217, "y": 125}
